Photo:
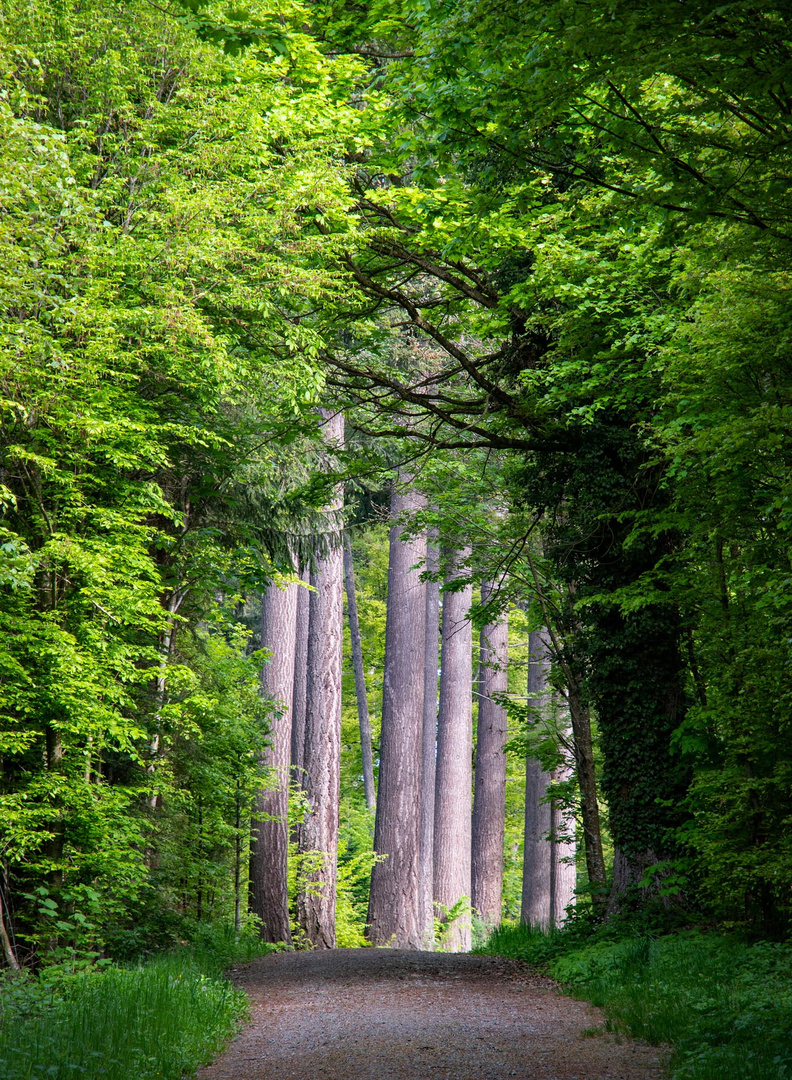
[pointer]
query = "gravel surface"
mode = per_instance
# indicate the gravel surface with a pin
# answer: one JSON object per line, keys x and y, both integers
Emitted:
{"x": 386, "y": 1014}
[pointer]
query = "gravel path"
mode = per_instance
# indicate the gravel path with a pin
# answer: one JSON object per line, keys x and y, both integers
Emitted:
{"x": 384, "y": 1014}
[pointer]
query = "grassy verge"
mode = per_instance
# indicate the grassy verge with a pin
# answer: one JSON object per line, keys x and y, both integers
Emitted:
{"x": 158, "y": 1020}
{"x": 724, "y": 1005}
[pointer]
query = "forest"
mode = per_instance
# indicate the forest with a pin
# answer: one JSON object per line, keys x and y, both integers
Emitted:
{"x": 395, "y": 505}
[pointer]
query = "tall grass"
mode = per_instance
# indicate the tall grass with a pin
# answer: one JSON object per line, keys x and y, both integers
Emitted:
{"x": 724, "y": 1005}
{"x": 159, "y": 1020}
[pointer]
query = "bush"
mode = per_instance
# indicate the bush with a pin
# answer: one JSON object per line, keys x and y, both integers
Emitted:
{"x": 724, "y": 1005}
{"x": 155, "y": 1021}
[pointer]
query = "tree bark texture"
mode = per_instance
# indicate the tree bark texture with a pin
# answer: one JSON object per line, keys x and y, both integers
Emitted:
{"x": 587, "y": 784}
{"x": 360, "y": 677}
{"x": 454, "y": 779}
{"x": 300, "y": 679}
{"x": 429, "y": 739}
{"x": 635, "y": 682}
{"x": 318, "y": 831}
{"x": 8, "y": 950}
{"x": 489, "y": 799}
{"x": 395, "y": 913}
{"x": 269, "y": 848}
{"x": 564, "y": 851}
{"x": 537, "y": 860}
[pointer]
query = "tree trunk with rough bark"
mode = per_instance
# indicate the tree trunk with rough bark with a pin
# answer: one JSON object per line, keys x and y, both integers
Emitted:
{"x": 587, "y": 785}
{"x": 318, "y": 832}
{"x": 628, "y": 871}
{"x": 489, "y": 799}
{"x": 429, "y": 739}
{"x": 537, "y": 861}
{"x": 269, "y": 848}
{"x": 582, "y": 744}
{"x": 300, "y": 679}
{"x": 564, "y": 851}
{"x": 395, "y": 914}
{"x": 360, "y": 677}
{"x": 8, "y": 950}
{"x": 454, "y": 779}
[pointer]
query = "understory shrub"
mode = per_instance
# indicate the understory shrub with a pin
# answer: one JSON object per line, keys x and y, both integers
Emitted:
{"x": 724, "y": 1005}
{"x": 159, "y": 1020}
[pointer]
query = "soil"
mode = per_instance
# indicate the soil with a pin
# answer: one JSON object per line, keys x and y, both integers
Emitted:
{"x": 386, "y": 1014}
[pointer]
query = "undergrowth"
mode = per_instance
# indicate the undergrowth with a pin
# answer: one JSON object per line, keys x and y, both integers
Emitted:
{"x": 724, "y": 1005}
{"x": 156, "y": 1020}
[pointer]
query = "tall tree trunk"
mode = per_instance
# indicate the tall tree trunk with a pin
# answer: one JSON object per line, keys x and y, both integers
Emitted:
{"x": 175, "y": 601}
{"x": 237, "y": 861}
{"x": 199, "y": 886}
{"x": 269, "y": 848}
{"x": 429, "y": 740}
{"x": 537, "y": 861}
{"x": 56, "y": 825}
{"x": 489, "y": 799}
{"x": 587, "y": 785}
{"x": 454, "y": 780}
{"x": 635, "y": 682}
{"x": 583, "y": 747}
{"x": 318, "y": 831}
{"x": 8, "y": 950}
{"x": 564, "y": 851}
{"x": 395, "y": 914}
{"x": 300, "y": 679}
{"x": 360, "y": 677}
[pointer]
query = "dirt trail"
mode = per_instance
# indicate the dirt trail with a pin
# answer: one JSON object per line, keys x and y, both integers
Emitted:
{"x": 382, "y": 1014}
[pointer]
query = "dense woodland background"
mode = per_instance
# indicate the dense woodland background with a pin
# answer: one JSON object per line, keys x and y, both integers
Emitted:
{"x": 505, "y": 286}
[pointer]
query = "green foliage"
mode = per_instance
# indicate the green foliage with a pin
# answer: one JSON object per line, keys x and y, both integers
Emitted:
{"x": 214, "y": 727}
{"x": 460, "y": 913}
{"x": 582, "y": 213}
{"x": 725, "y": 1005}
{"x": 152, "y": 390}
{"x": 354, "y": 874}
{"x": 160, "y": 1021}
{"x": 549, "y": 243}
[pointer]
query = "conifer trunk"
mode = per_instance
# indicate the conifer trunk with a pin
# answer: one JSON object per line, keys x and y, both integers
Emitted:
{"x": 364, "y": 723}
{"x": 489, "y": 799}
{"x": 395, "y": 912}
{"x": 300, "y": 679}
{"x": 563, "y": 828}
{"x": 453, "y": 787}
{"x": 537, "y": 861}
{"x": 429, "y": 740}
{"x": 269, "y": 897}
{"x": 318, "y": 832}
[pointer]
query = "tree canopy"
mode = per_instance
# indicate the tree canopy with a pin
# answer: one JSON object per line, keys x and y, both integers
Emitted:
{"x": 537, "y": 254}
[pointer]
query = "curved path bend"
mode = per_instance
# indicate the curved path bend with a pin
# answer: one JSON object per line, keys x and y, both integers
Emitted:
{"x": 386, "y": 1014}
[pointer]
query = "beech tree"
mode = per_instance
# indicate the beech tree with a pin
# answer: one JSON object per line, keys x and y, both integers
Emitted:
{"x": 454, "y": 779}
{"x": 395, "y": 913}
{"x": 489, "y": 799}
{"x": 143, "y": 406}
{"x": 269, "y": 849}
{"x": 318, "y": 832}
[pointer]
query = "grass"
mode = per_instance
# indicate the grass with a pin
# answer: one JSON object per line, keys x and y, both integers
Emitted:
{"x": 159, "y": 1020}
{"x": 723, "y": 1005}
